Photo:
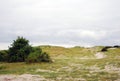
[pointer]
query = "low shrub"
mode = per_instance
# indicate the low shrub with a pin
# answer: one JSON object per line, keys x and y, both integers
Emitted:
{"x": 3, "y": 55}
{"x": 38, "y": 56}
{"x": 106, "y": 48}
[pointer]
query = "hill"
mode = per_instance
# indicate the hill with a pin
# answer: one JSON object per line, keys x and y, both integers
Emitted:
{"x": 70, "y": 64}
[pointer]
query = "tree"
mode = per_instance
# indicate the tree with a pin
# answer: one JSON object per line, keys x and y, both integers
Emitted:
{"x": 19, "y": 50}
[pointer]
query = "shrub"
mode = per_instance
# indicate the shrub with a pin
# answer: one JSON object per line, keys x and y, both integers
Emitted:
{"x": 45, "y": 57}
{"x": 116, "y": 46}
{"x": 19, "y": 50}
{"x": 38, "y": 56}
{"x": 106, "y": 48}
{"x": 3, "y": 55}
{"x": 32, "y": 58}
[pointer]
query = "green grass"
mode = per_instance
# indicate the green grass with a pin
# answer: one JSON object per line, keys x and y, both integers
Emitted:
{"x": 68, "y": 65}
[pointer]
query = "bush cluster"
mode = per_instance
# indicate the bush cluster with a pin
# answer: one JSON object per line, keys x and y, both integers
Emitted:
{"x": 38, "y": 56}
{"x": 21, "y": 51}
{"x": 3, "y": 55}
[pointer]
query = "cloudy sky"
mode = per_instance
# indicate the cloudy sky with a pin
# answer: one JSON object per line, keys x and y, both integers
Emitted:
{"x": 60, "y": 22}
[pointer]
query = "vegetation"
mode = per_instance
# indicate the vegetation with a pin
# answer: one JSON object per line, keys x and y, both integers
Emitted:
{"x": 38, "y": 56}
{"x": 71, "y": 64}
{"x": 104, "y": 49}
{"x": 3, "y": 55}
{"x": 21, "y": 51}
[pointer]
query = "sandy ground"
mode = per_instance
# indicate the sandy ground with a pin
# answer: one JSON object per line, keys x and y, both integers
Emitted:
{"x": 24, "y": 77}
{"x": 100, "y": 55}
{"x": 29, "y": 77}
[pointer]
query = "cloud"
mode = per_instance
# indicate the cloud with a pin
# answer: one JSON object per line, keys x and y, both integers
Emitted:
{"x": 61, "y": 22}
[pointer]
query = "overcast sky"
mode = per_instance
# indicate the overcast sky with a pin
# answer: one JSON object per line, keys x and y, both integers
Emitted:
{"x": 60, "y": 22}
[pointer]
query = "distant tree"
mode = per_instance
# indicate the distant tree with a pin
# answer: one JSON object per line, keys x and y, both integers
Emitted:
{"x": 19, "y": 50}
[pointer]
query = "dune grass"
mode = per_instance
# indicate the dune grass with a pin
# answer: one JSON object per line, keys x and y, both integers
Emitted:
{"x": 71, "y": 64}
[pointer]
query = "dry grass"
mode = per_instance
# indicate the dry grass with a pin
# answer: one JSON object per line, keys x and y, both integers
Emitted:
{"x": 70, "y": 64}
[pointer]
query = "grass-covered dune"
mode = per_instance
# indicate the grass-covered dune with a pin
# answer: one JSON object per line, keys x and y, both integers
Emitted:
{"x": 69, "y": 64}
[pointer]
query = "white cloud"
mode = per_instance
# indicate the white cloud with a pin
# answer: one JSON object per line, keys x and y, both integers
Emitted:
{"x": 71, "y": 22}
{"x": 93, "y": 34}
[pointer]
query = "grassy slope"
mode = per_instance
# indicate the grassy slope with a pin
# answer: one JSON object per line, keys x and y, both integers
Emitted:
{"x": 71, "y": 64}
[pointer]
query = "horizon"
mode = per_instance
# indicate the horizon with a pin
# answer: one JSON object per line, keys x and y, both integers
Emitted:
{"x": 5, "y": 46}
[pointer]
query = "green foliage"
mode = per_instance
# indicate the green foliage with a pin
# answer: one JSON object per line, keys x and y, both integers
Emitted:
{"x": 19, "y": 50}
{"x": 45, "y": 57}
{"x": 38, "y": 56}
{"x": 3, "y": 55}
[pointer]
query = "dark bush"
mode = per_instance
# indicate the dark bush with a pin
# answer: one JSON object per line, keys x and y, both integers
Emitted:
{"x": 106, "y": 48}
{"x": 116, "y": 46}
{"x": 3, "y": 55}
{"x": 45, "y": 57}
{"x": 19, "y": 50}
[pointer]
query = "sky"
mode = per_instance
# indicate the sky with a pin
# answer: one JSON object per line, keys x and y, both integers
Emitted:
{"x": 60, "y": 22}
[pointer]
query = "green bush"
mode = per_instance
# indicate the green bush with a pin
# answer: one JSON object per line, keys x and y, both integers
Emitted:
{"x": 19, "y": 50}
{"x": 3, "y": 55}
{"x": 45, "y": 57}
{"x": 38, "y": 56}
{"x": 32, "y": 58}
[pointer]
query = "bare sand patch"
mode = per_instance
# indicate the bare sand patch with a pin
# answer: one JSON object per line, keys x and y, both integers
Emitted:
{"x": 42, "y": 70}
{"x": 23, "y": 77}
{"x": 100, "y": 55}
